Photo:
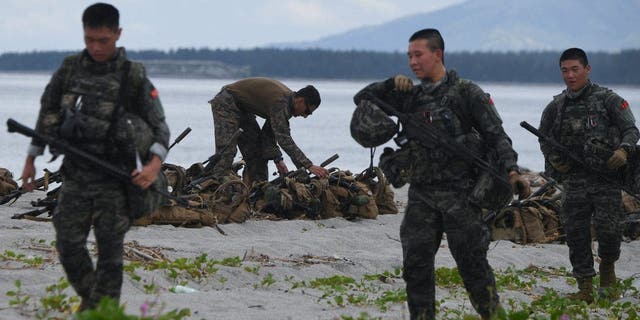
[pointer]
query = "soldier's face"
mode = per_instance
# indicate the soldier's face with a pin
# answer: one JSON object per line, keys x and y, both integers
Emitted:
{"x": 574, "y": 74}
{"x": 300, "y": 108}
{"x": 101, "y": 42}
{"x": 423, "y": 62}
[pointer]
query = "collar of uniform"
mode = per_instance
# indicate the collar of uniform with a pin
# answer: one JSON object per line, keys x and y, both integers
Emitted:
{"x": 577, "y": 94}
{"x": 429, "y": 87}
{"x": 289, "y": 109}
{"x": 104, "y": 67}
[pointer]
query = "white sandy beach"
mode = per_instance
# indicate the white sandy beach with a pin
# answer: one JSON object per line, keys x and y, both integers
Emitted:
{"x": 275, "y": 255}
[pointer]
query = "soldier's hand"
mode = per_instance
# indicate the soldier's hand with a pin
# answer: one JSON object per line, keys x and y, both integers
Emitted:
{"x": 319, "y": 171}
{"x": 28, "y": 174}
{"x": 402, "y": 83}
{"x": 282, "y": 167}
{"x": 519, "y": 185}
{"x": 617, "y": 160}
{"x": 149, "y": 173}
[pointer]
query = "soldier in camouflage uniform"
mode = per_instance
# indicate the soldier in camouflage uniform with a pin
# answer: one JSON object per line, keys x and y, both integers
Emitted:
{"x": 84, "y": 93}
{"x": 238, "y": 104}
{"x": 587, "y": 119}
{"x": 440, "y": 184}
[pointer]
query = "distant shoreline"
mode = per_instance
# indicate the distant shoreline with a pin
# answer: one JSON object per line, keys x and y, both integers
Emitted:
{"x": 499, "y": 67}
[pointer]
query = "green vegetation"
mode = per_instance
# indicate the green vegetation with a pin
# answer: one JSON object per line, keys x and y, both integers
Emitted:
{"x": 108, "y": 309}
{"x": 380, "y": 291}
{"x": 56, "y": 304}
{"x": 182, "y": 270}
{"x": 17, "y": 299}
{"x": 28, "y": 262}
{"x": 56, "y": 300}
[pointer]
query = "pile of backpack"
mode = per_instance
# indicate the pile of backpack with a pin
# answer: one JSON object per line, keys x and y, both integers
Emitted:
{"x": 215, "y": 201}
{"x": 537, "y": 219}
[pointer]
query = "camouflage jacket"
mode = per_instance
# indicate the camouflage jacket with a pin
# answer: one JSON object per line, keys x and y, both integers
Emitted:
{"x": 93, "y": 90}
{"x": 273, "y": 101}
{"x": 575, "y": 119}
{"x": 461, "y": 110}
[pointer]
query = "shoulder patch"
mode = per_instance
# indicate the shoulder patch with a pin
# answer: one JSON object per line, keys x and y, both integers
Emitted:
{"x": 624, "y": 105}
{"x": 154, "y": 93}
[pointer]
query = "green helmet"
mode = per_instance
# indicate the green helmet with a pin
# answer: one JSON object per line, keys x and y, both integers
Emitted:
{"x": 370, "y": 126}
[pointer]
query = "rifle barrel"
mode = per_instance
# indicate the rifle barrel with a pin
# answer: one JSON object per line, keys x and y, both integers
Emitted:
{"x": 14, "y": 126}
{"x": 329, "y": 160}
{"x": 453, "y": 147}
{"x": 32, "y": 213}
{"x": 38, "y": 183}
{"x": 180, "y": 137}
{"x": 564, "y": 150}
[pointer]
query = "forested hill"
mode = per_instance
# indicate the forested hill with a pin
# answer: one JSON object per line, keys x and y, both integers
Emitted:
{"x": 539, "y": 67}
{"x": 503, "y": 25}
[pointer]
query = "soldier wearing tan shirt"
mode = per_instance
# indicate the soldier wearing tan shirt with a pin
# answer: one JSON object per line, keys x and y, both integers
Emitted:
{"x": 238, "y": 104}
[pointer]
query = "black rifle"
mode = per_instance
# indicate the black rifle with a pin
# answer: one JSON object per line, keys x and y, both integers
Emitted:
{"x": 418, "y": 130}
{"x": 32, "y": 213}
{"x": 253, "y": 197}
{"x": 292, "y": 174}
{"x": 336, "y": 181}
{"x": 516, "y": 203}
{"x": 211, "y": 162}
{"x": 575, "y": 158}
{"x": 180, "y": 137}
{"x": 47, "y": 204}
{"x": 66, "y": 148}
{"x": 40, "y": 183}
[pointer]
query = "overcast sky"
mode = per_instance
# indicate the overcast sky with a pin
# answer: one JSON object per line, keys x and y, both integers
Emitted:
{"x": 27, "y": 25}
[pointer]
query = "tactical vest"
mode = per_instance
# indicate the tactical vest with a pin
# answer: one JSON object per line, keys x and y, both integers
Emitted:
{"x": 445, "y": 110}
{"x": 88, "y": 104}
{"x": 584, "y": 121}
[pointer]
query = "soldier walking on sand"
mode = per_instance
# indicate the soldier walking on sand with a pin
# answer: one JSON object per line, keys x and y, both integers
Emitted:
{"x": 596, "y": 124}
{"x": 440, "y": 183}
{"x": 84, "y": 99}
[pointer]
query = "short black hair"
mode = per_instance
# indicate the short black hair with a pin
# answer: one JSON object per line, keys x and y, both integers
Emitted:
{"x": 101, "y": 15}
{"x": 310, "y": 95}
{"x": 433, "y": 37}
{"x": 574, "y": 54}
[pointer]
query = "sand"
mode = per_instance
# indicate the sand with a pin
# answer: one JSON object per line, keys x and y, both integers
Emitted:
{"x": 274, "y": 256}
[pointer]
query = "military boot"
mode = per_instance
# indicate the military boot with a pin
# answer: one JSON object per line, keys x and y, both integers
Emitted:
{"x": 585, "y": 293}
{"x": 608, "y": 283}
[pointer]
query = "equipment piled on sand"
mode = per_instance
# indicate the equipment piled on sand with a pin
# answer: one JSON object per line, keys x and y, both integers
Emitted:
{"x": 295, "y": 196}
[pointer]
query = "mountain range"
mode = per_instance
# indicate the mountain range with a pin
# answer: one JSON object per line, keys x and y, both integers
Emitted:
{"x": 502, "y": 26}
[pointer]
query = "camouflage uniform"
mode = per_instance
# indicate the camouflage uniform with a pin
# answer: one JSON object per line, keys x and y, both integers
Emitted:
{"x": 573, "y": 119}
{"x": 90, "y": 197}
{"x": 440, "y": 189}
{"x": 236, "y": 106}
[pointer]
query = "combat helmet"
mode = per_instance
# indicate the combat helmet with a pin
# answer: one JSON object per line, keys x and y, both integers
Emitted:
{"x": 370, "y": 126}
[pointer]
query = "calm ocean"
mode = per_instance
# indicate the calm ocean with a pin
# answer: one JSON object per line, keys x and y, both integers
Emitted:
{"x": 321, "y": 135}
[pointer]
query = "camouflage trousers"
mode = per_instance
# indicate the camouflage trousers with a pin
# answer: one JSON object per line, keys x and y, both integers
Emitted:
{"x": 586, "y": 201}
{"x": 81, "y": 206}
{"x": 429, "y": 213}
{"x": 227, "y": 118}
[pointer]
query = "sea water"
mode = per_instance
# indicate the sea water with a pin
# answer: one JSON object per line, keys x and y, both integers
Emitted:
{"x": 319, "y": 136}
